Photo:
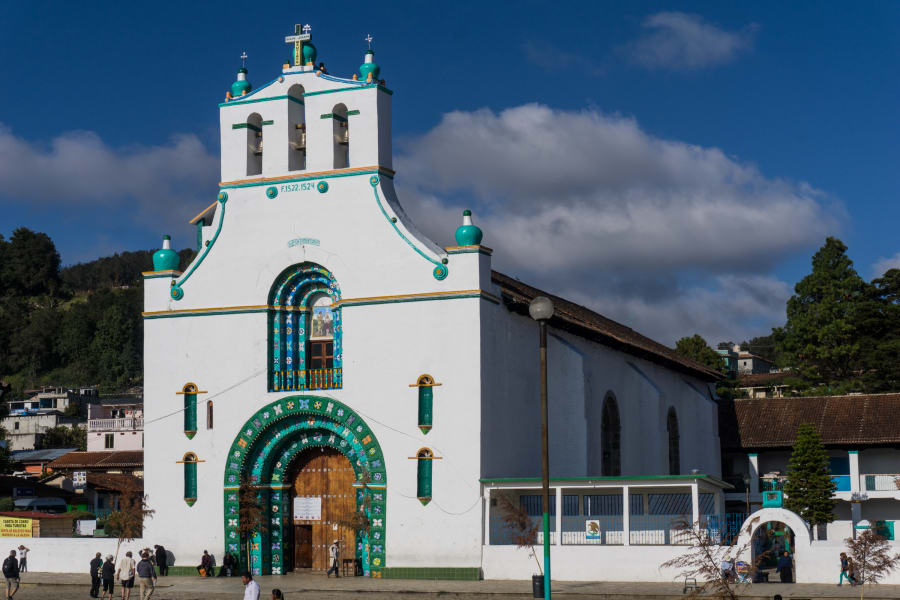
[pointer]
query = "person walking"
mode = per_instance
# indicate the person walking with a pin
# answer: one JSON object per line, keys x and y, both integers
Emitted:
{"x": 251, "y": 588}
{"x": 335, "y": 553}
{"x": 108, "y": 576}
{"x": 23, "y": 559}
{"x": 125, "y": 575}
{"x": 11, "y": 572}
{"x": 146, "y": 576}
{"x": 785, "y": 568}
{"x": 162, "y": 561}
{"x": 845, "y": 570}
{"x": 96, "y": 565}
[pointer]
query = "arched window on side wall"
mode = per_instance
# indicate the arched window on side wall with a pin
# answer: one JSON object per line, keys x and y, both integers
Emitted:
{"x": 341, "y": 130}
{"x": 297, "y": 125}
{"x": 424, "y": 459}
{"x": 254, "y": 144}
{"x": 190, "y": 477}
{"x": 610, "y": 438}
{"x": 674, "y": 443}
{"x": 190, "y": 391}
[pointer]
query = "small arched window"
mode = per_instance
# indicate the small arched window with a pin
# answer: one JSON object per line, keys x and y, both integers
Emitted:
{"x": 610, "y": 438}
{"x": 254, "y": 144}
{"x": 426, "y": 395}
{"x": 424, "y": 459}
{"x": 190, "y": 392}
{"x": 297, "y": 125}
{"x": 190, "y": 477}
{"x": 674, "y": 443}
{"x": 341, "y": 131}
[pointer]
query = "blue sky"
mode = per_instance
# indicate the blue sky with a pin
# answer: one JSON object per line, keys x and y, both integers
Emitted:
{"x": 702, "y": 150}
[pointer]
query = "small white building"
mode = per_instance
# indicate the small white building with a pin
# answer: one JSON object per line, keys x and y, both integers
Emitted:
{"x": 25, "y": 428}
{"x": 323, "y": 350}
{"x": 116, "y": 423}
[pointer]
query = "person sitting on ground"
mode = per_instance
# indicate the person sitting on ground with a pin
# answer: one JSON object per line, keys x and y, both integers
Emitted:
{"x": 727, "y": 569}
{"x": 11, "y": 572}
{"x": 251, "y": 588}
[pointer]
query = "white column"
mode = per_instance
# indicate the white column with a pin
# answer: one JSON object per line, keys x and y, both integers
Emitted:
{"x": 626, "y": 515}
{"x": 559, "y": 511}
{"x": 855, "y": 484}
{"x": 754, "y": 475}
{"x": 487, "y": 516}
{"x": 695, "y": 503}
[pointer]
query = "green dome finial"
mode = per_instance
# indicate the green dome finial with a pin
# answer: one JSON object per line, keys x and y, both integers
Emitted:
{"x": 369, "y": 67}
{"x": 468, "y": 234}
{"x": 241, "y": 86}
{"x": 166, "y": 259}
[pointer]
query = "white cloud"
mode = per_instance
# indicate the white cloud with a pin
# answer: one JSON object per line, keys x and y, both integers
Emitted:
{"x": 680, "y": 41}
{"x": 172, "y": 182}
{"x": 882, "y": 265}
{"x": 653, "y": 231}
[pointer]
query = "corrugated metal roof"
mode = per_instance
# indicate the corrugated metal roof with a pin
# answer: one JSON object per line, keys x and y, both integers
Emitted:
{"x": 39, "y": 455}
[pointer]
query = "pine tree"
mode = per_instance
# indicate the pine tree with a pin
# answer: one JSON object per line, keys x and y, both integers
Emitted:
{"x": 809, "y": 488}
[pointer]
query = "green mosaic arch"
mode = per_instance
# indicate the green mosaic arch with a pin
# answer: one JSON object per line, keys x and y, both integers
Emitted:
{"x": 262, "y": 453}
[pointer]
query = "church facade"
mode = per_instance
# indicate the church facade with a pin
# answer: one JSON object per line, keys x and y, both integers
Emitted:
{"x": 322, "y": 371}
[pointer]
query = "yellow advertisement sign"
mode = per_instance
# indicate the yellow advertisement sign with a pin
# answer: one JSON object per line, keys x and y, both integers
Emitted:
{"x": 12, "y": 527}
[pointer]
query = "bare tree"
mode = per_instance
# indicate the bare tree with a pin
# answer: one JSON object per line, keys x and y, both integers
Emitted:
{"x": 872, "y": 558}
{"x": 358, "y": 519}
{"x": 251, "y": 513}
{"x": 127, "y": 523}
{"x": 521, "y": 526}
{"x": 703, "y": 561}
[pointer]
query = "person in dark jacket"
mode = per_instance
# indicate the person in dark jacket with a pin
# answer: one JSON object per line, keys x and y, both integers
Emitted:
{"x": 146, "y": 576}
{"x": 11, "y": 572}
{"x": 162, "y": 561}
{"x": 785, "y": 568}
{"x": 229, "y": 565}
{"x": 96, "y": 563}
{"x": 108, "y": 575}
{"x": 205, "y": 567}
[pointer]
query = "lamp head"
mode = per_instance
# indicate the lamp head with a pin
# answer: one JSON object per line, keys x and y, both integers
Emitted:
{"x": 541, "y": 308}
{"x": 746, "y": 479}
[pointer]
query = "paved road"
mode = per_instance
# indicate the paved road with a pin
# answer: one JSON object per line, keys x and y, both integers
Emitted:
{"x": 69, "y": 586}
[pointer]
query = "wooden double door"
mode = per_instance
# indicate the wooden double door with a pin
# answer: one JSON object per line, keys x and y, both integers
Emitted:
{"x": 327, "y": 474}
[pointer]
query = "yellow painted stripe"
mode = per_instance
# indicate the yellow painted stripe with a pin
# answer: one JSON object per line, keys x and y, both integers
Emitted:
{"x": 339, "y": 303}
{"x": 170, "y": 272}
{"x": 202, "y": 213}
{"x": 302, "y": 174}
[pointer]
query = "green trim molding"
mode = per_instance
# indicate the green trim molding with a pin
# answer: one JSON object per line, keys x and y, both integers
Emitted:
{"x": 246, "y": 126}
{"x": 433, "y": 573}
{"x": 333, "y": 116}
{"x": 235, "y": 103}
{"x": 350, "y": 113}
{"x": 351, "y": 89}
{"x": 176, "y": 292}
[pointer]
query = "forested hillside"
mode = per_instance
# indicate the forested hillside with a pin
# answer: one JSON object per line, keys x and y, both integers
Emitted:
{"x": 74, "y": 326}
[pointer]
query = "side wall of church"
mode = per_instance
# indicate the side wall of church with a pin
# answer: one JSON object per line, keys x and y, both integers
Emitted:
{"x": 581, "y": 374}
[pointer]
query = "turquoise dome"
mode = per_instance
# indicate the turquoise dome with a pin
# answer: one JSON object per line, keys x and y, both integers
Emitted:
{"x": 166, "y": 259}
{"x": 309, "y": 53}
{"x": 241, "y": 86}
{"x": 369, "y": 66}
{"x": 468, "y": 234}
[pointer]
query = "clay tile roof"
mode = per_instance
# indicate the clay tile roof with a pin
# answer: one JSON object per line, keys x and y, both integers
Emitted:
{"x": 584, "y": 322}
{"x": 99, "y": 459}
{"x": 748, "y": 423}
{"x": 114, "y": 481}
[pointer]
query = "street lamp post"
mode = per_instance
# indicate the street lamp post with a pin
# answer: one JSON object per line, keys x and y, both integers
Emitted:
{"x": 747, "y": 490}
{"x": 541, "y": 309}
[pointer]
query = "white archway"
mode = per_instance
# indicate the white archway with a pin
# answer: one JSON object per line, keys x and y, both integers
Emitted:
{"x": 802, "y": 535}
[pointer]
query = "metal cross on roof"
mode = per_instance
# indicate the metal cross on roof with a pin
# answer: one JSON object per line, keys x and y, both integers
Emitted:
{"x": 243, "y": 58}
{"x": 369, "y": 39}
{"x": 307, "y": 28}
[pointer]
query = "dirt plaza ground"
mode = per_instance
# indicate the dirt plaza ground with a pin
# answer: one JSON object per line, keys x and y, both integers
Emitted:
{"x": 74, "y": 586}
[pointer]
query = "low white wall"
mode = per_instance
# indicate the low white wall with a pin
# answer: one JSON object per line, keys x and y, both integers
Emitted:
{"x": 67, "y": 555}
{"x": 583, "y": 563}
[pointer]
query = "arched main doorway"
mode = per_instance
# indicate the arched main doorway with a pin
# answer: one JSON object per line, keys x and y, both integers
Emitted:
{"x": 269, "y": 456}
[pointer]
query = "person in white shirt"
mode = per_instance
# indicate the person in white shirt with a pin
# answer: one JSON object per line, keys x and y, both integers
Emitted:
{"x": 23, "y": 558}
{"x": 251, "y": 588}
